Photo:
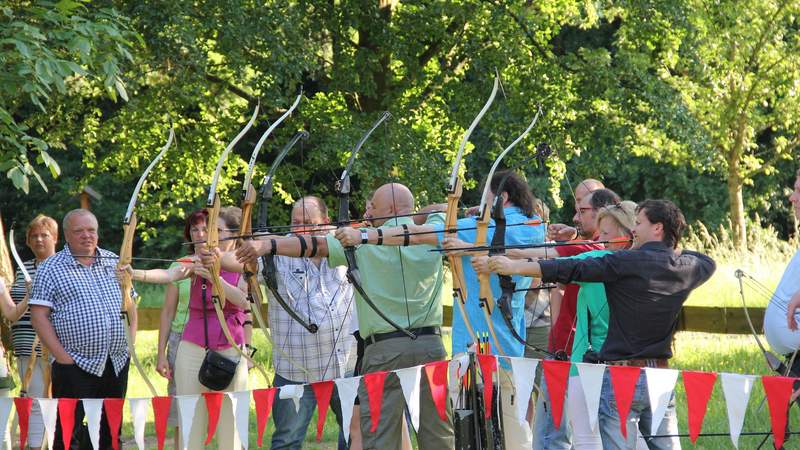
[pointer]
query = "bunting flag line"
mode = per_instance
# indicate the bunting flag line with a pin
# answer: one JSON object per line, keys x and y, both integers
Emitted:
{"x": 441, "y": 376}
{"x": 736, "y": 389}
{"x": 699, "y": 386}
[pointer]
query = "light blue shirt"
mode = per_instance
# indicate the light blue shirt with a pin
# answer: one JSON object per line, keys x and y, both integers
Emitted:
{"x": 524, "y": 234}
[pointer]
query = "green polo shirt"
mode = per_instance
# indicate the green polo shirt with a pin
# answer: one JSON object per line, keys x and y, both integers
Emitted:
{"x": 592, "y": 302}
{"x": 182, "y": 308}
{"x": 405, "y": 283}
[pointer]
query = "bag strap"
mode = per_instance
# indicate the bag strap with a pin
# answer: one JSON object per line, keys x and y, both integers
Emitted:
{"x": 204, "y": 288}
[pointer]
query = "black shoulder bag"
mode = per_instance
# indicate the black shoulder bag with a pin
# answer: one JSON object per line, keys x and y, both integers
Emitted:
{"x": 217, "y": 371}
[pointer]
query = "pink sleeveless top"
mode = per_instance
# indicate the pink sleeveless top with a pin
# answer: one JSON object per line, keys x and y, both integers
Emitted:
{"x": 234, "y": 316}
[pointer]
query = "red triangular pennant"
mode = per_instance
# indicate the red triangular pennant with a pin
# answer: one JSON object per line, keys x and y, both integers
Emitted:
{"x": 374, "y": 384}
{"x": 160, "y": 415}
{"x": 23, "y": 405}
{"x": 699, "y": 386}
{"x": 436, "y": 372}
{"x": 66, "y": 415}
{"x": 556, "y": 374}
{"x": 778, "y": 390}
{"x": 263, "y": 399}
{"x": 113, "y": 409}
{"x": 322, "y": 391}
{"x": 488, "y": 365}
{"x": 623, "y": 381}
{"x": 213, "y": 404}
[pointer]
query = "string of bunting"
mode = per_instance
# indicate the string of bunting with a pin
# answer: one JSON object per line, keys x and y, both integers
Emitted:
{"x": 443, "y": 377}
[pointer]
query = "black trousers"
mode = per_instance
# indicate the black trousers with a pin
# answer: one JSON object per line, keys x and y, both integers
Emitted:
{"x": 70, "y": 381}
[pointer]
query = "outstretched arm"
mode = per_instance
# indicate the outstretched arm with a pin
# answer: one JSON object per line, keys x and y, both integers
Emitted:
{"x": 389, "y": 236}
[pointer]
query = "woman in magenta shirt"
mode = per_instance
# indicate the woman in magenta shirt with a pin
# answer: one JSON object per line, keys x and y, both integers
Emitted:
{"x": 192, "y": 348}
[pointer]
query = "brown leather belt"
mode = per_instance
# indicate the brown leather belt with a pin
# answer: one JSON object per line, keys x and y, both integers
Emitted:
{"x": 650, "y": 362}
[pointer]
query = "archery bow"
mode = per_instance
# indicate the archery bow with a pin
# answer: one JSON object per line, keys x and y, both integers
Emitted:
{"x": 507, "y": 284}
{"x": 212, "y": 242}
{"x": 343, "y": 218}
{"x": 269, "y": 270}
{"x": 125, "y": 255}
{"x": 486, "y": 297}
{"x": 454, "y": 190}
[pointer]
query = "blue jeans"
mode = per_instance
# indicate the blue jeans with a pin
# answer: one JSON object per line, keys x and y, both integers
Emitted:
{"x": 545, "y": 434}
{"x": 291, "y": 425}
{"x": 640, "y": 416}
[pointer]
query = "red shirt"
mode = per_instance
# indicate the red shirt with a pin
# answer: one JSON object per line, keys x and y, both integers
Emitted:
{"x": 562, "y": 332}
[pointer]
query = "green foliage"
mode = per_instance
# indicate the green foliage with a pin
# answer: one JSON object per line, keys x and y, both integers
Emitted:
{"x": 49, "y": 51}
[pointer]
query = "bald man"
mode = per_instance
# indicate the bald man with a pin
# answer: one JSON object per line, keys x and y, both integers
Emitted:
{"x": 406, "y": 284}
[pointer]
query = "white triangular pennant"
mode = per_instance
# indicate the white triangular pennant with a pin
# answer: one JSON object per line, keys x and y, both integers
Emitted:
{"x": 737, "y": 389}
{"x": 186, "y": 407}
{"x": 240, "y": 402}
{"x": 139, "y": 419}
{"x": 591, "y": 376}
{"x": 660, "y": 384}
{"x": 93, "y": 407}
{"x": 347, "y": 388}
{"x": 409, "y": 381}
{"x": 49, "y": 407}
{"x": 523, "y": 373}
{"x": 294, "y": 392}
{"x": 5, "y": 411}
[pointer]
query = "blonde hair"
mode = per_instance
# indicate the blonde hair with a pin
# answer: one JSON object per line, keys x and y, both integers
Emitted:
{"x": 624, "y": 213}
{"x": 41, "y": 221}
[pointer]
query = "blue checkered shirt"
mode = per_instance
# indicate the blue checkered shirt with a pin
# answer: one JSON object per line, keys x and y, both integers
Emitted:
{"x": 85, "y": 304}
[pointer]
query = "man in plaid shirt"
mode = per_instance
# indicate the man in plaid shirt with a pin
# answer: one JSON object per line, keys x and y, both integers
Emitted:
{"x": 320, "y": 294}
{"x": 75, "y": 309}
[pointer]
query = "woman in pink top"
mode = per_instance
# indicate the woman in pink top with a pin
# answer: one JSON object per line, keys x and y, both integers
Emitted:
{"x": 192, "y": 348}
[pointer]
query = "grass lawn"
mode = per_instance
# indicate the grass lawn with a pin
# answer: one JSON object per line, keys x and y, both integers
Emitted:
{"x": 694, "y": 351}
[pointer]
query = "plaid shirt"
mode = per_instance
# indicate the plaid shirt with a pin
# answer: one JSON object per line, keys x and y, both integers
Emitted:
{"x": 324, "y": 295}
{"x": 85, "y": 304}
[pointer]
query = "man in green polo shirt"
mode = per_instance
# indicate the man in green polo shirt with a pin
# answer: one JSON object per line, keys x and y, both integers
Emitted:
{"x": 406, "y": 285}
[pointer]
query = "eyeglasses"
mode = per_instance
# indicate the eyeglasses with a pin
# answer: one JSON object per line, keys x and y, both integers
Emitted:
{"x": 585, "y": 209}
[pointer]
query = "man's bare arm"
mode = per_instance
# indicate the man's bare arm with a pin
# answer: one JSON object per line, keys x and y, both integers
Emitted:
{"x": 40, "y": 319}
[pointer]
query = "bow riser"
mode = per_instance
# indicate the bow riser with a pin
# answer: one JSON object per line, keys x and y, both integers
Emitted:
{"x": 456, "y": 266}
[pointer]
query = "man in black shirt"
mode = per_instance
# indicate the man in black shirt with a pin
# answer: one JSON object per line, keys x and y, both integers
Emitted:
{"x": 646, "y": 287}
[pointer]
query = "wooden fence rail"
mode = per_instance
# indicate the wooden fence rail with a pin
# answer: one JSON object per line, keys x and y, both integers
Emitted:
{"x": 707, "y": 319}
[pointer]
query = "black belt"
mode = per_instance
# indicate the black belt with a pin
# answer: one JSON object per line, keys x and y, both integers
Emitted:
{"x": 423, "y": 331}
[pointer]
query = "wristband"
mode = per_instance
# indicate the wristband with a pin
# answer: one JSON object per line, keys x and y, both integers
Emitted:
{"x": 406, "y": 236}
{"x": 303, "y": 246}
{"x": 364, "y": 236}
{"x": 380, "y": 236}
{"x": 274, "y": 249}
{"x": 313, "y": 247}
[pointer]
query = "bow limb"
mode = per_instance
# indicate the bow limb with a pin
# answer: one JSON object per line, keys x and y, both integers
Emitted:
{"x": 454, "y": 190}
{"x": 343, "y": 219}
{"x": 269, "y": 270}
{"x": 125, "y": 258}
{"x": 773, "y": 361}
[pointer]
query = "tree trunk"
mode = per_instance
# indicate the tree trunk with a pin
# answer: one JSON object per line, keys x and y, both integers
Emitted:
{"x": 738, "y": 222}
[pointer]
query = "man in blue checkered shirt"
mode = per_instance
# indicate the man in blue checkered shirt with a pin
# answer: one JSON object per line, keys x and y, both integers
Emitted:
{"x": 75, "y": 309}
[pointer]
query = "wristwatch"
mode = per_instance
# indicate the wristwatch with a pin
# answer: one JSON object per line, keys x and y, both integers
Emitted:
{"x": 364, "y": 236}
